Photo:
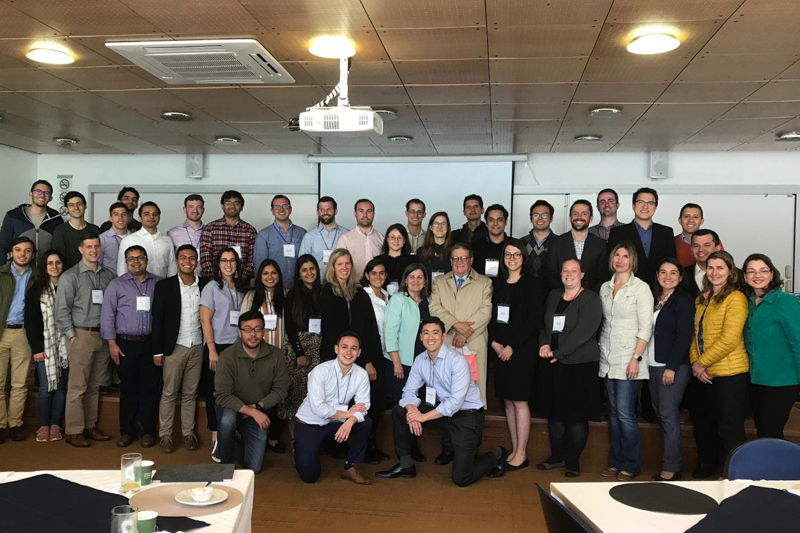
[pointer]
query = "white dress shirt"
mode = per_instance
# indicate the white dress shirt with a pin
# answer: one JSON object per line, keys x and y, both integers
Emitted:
{"x": 379, "y": 308}
{"x": 190, "y": 332}
{"x": 160, "y": 253}
{"x": 327, "y": 388}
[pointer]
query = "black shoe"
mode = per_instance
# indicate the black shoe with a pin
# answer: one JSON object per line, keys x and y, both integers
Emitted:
{"x": 703, "y": 471}
{"x": 444, "y": 458}
{"x": 417, "y": 455}
{"x": 276, "y": 448}
{"x": 572, "y": 473}
{"x": 523, "y": 464}
{"x": 16, "y": 434}
{"x": 675, "y": 477}
{"x": 398, "y": 471}
{"x": 2, "y": 435}
{"x": 372, "y": 457}
{"x": 544, "y": 465}
{"x": 502, "y": 465}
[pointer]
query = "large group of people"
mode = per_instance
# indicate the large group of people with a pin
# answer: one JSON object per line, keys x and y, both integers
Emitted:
{"x": 323, "y": 330}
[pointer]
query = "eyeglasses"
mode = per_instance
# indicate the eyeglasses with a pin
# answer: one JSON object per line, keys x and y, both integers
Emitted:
{"x": 753, "y": 272}
{"x": 281, "y": 206}
{"x": 258, "y": 329}
{"x": 379, "y": 273}
{"x": 416, "y": 212}
{"x": 438, "y": 224}
{"x": 43, "y": 194}
{"x": 512, "y": 255}
{"x": 543, "y": 216}
{"x": 236, "y": 203}
{"x": 134, "y": 258}
{"x": 643, "y": 203}
{"x": 395, "y": 238}
{"x": 227, "y": 261}
{"x": 462, "y": 259}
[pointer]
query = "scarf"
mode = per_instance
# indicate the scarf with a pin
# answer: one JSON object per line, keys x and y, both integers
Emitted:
{"x": 55, "y": 344}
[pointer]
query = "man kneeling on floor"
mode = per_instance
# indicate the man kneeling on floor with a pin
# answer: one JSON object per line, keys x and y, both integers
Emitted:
{"x": 453, "y": 402}
{"x": 251, "y": 379}
{"x": 324, "y": 412}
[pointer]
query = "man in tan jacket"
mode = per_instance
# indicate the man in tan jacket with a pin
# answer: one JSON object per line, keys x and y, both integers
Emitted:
{"x": 462, "y": 299}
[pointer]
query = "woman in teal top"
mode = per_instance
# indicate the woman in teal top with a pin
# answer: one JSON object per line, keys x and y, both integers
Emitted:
{"x": 772, "y": 339}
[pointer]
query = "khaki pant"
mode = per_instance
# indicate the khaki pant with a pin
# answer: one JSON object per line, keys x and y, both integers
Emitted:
{"x": 14, "y": 348}
{"x": 88, "y": 361}
{"x": 181, "y": 371}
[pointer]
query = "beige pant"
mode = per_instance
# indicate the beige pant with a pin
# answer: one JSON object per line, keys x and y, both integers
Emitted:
{"x": 181, "y": 371}
{"x": 14, "y": 348}
{"x": 88, "y": 361}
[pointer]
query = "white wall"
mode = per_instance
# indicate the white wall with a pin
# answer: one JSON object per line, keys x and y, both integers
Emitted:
{"x": 17, "y": 174}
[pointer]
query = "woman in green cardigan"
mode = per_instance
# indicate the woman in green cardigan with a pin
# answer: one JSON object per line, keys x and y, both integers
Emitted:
{"x": 772, "y": 339}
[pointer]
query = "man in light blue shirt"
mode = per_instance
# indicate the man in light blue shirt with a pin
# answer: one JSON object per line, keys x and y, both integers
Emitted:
{"x": 279, "y": 241}
{"x": 112, "y": 237}
{"x": 452, "y": 400}
{"x": 321, "y": 241}
{"x": 325, "y": 412}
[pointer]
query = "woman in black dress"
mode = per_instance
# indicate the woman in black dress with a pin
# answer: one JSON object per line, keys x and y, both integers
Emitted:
{"x": 435, "y": 250}
{"x": 337, "y": 293}
{"x": 570, "y": 360}
{"x": 513, "y": 334}
{"x": 396, "y": 255}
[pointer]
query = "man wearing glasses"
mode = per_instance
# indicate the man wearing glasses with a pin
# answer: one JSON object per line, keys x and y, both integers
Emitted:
{"x": 160, "y": 251}
{"x": 607, "y": 206}
{"x": 126, "y": 323}
{"x": 35, "y": 221}
{"x": 280, "y": 241}
{"x": 415, "y": 213}
{"x": 251, "y": 379}
{"x": 230, "y": 230}
{"x": 538, "y": 240}
{"x": 653, "y": 241}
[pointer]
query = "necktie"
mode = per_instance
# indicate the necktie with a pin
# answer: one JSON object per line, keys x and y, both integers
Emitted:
{"x": 459, "y": 282}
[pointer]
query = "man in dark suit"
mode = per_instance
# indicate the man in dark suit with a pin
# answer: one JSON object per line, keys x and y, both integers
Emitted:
{"x": 579, "y": 244}
{"x": 653, "y": 241}
{"x": 178, "y": 346}
{"x": 704, "y": 243}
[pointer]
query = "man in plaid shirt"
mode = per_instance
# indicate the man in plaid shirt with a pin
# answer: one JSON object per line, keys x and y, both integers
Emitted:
{"x": 231, "y": 231}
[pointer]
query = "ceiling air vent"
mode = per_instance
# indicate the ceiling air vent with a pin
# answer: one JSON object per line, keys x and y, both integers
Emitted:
{"x": 229, "y": 61}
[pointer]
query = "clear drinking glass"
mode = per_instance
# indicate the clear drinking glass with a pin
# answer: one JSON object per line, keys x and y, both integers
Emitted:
{"x": 131, "y": 473}
{"x": 124, "y": 518}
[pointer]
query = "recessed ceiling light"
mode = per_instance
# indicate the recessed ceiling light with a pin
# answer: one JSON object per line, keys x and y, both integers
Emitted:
{"x": 605, "y": 112}
{"x": 789, "y": 136}
{"x": 588, "y": 137}
{"x": 653, "y": 43}
{"x": 226, "y": 140}
{"x": 386, "y": 114}
{"x": 50, "y": 53}
{"x": 332, "y": 47}
{"x": 176, "y": 116}
{"x": 65, "y": 141}
{"x": 401, "y": 138}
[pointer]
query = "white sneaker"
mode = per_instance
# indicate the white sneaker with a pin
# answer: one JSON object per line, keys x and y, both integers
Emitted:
{"x": 214, "y": 452}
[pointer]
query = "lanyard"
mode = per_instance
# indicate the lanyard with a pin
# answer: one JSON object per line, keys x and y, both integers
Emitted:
{"x": 333, "y": 242}
{"x": 432, "y": 367}
{"x": 280, "y": 232}
{"x": 195, "y": 244}
{"x": 234, "y": 298}
{"x": 338, "y": 398}
{"x": 141, "y": 288}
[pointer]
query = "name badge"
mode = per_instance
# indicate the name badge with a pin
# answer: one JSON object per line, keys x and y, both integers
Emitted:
{"x": 234, "y": 316}
{"x": 503, "y": 314}
{"x": 288, "y": 251}
{"x": 326, "y": 256}
{"x": 392, "y": 288}
{"x": 97, "y": 296}
{"x": 238, "y": 250}
{"x": 315, "y": 326}
{"x": 492, "y": 267}
{"x": 142, "y": 304}
{"x": 558, "y": 323}
{"x": 436, "y": 274}
{"x": 270, "y": 322}
{"x": 430, "y": 396}
{"x": 340, "y": 407}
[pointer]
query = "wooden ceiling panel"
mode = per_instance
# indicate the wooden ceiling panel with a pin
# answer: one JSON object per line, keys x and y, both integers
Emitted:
{"x": 532, "y": 93}
{"x": 317, "y": 15}
{"x": 633, "y": 69}
{"x": 152, "y": 102}
{"x": 538, "y": 70}
{"x": 578, "y": 114}
{"x": 32, "y": 79}
{"x": 757, "y": 33}
{"x": 440, "y": 43}
{"x": 287, "y": 102}
{"x": 791, "y": 73}
{"x": 449, "y": 94}
{"x": 528, "y": 111}
{"x": 379, "y": 96}
{"x": 764, "y": 110}
{"x": 190, "y": 18}
{"x": 361, "y": 72}
{"x": 615, "y": 37}
{"x": 707, "y": 112}
{"x": 742, "y": 67}
{"x": 776, "y": 91}
{"x": 16, "y": 24}
{"x": 12, "y": 53}
{"x": 610, "y": 93}
{"x": 426, "y": 13}
{"x": 454, "y": 113}
{"x": 469, "y": 71}
{"x": 685, "y": 93}
{"x": 528, "y": 12}
{"x": 293, "y": 45}
{"x": 98, "y": 45}
{"x": 771, "y": 135}
{"x": 554, "y": 40}
{"x": 647, "y": 11}
{"x": 93, "y": 107}
{"x": 101, "y": 78}
{"x": 736, "y": 130}
{"x": 226, "y": 104}
{"x": 409, "y": 149}
{"x": 87, "y": 17}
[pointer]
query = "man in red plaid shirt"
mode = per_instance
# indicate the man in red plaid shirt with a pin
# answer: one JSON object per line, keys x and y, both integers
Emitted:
{"x": 231, "y": 231}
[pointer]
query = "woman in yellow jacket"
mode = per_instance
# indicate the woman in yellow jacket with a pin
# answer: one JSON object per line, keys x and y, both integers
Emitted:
{"x": 718, "y": 355}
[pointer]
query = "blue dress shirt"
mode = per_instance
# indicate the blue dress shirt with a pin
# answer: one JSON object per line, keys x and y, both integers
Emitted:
{"x": 646, "y": 235}
{"x": 269, "y": 245}
{"x": 16, "y": 313}
{"x": 318, "y": 240}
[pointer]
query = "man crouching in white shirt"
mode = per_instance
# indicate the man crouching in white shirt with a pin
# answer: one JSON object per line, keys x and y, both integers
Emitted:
{"x": 325, "y": 412}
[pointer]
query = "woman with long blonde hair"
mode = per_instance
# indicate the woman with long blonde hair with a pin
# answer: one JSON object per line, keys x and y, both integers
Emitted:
{"x": 337, "y": 293}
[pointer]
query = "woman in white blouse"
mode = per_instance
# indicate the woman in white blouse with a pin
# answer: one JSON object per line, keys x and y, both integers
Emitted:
{"x": 627, "y": 327}
{"x": 367, "y": 314}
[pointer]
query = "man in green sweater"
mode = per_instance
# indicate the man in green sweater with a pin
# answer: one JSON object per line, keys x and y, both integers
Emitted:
{"x": 251, "y": 379}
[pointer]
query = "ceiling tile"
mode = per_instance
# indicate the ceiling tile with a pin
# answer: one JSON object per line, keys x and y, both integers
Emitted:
{"x": 152, "y": 102}
{"x": 12, "y": 53}
{"x": 361, "y": 72}
{"x": 532, "y": 93}
{"x": 87, "y": 17}
{"x": 633, "y": 69}
{"x": 449, "y": 94}
{"x": 776, "y": 91}
{"x": 539, "y": 70}
{"x": 693, "y": 35}
{"x": 440, "y": 43}
{"x": 528, "y": 111}
{"x": 426, "y": 13}
{"x": 744, "y": 67}
{"x": 640, "y": 11}
{"x": 757, "y": 33}
{"x": 686, "y": 93}
{"x": 101, "y": 78}
{"x": 708, "y": 112}
{"x": 308, "y": 14}
{"x": 527, "y": 12}
{"x": 293, "y": 45}
{"x": 791, "y": 73}
{"x": 468, "y": 71}
{"x": 755, "y": 110}
{"x": 16, "y": 24}
{"x": 32, "y": 79}
{"x": 446, "y": 113}
{"x": 190, "y": 18}
{"x": 555, "y": 40}
{"x": 452, "y": 127}
{"x": 226, "y": 104}
{"x": 287, "y": 102}
{"x": 98, "y": 44}
{"x": 736, "y": 130}
{"x": 618, "y": 92}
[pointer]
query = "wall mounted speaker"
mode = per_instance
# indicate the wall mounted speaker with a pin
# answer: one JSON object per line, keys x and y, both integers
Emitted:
{"x": 194, "y": 166}
{"x": 659, "y": 165}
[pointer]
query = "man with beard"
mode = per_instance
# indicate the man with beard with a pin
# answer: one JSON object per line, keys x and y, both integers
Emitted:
{"x": 538, "y": 239}
{"x": 415, "y": 213}
{"x": 488, "y": 251}
{"x": 473, "y": 229}
{"x": 607, "y": 206}
{"x": 35, "y": 221}
{"x": 130, "y": 197}
{"x": 579, "y": 244}
{"x": 321, "y": 241}
{"x": 364, "y": 242}
{"x": 230, "y": 230}
{"x": 704, "y": 243}
{"x": 190, "y": 232}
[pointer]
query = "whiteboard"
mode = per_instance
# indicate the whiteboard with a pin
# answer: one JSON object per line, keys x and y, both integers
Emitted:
{"x": 442, "y": 186}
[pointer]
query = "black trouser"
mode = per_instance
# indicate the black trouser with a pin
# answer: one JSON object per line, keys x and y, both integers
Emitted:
{"x": 730, "y": 395}
{"x": 377, "y": 399}
{"x": 567, "y": 441}
{"x": 771, "y": 408}
{"x": 465, "y": 429}
{"x": 701, "y": 408}
{"x": 211, "y": 412}
{"x": 308, "y": 441}
{"x": 139, "y": 388}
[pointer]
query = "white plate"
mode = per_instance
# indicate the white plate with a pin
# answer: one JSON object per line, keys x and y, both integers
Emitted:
{"x": 185, "y": 497}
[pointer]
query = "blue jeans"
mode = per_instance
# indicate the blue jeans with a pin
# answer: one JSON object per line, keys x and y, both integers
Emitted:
{"x": 626, "y": 444}
{"x": 249, "y": 451}
{"x": 51, "y": 403}
{"x": 667, "y": 404}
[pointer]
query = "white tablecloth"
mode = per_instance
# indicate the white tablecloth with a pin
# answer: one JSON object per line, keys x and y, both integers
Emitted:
{"x": 592, "y": 502}
{"x": 236, "y": 520}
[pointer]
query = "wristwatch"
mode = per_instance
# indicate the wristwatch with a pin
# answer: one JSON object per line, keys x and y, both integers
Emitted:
{"x": 638, "y": 358}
